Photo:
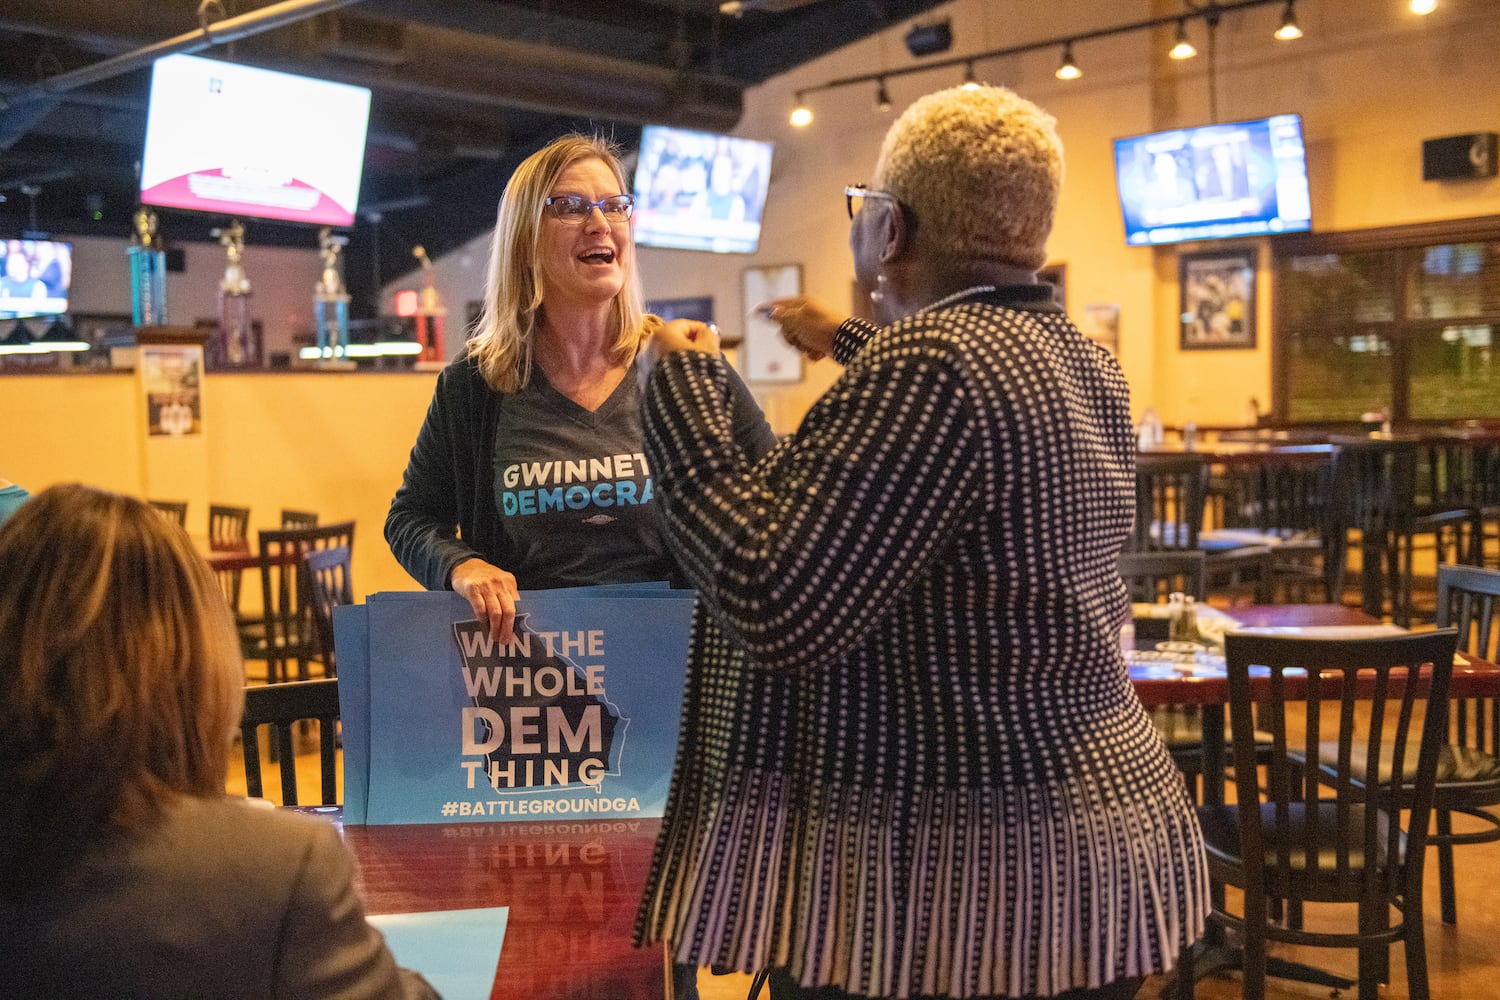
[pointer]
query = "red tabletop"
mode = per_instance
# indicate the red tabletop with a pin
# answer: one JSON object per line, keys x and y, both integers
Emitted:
{"x": 1204, "y": 684}
{"x": 572, "y": 889}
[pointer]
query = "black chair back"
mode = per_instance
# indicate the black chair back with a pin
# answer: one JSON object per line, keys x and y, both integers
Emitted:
{"x": 173, "y": 510}
{"x": 282, "y": 706}
{"x": 1356, "y": 726}
{"x": 1468, "y": 779}
{"x": 1169, "y": 497}
{"x": 292, "y": 518}
{"x": 332, "y": 582}
{"x": 286, "y": 595}
{"x": 1152, "y": 576}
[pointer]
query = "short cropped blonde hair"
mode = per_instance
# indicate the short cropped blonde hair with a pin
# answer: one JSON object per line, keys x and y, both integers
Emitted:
{"x": 981, "y": 169}
{"x": 502, "y": 341}
{"x": 120, "y": 676}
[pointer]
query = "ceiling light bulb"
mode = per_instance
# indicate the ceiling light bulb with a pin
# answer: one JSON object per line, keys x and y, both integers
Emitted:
{"x": 882, "y": 98}
{"x": 1288, "y": 30}
{"x": 1422, "y": 6}
{"x": 969, "y": 82}
{"x": 801, "y": 114}
{"x": 1069, "y": 69}
{"x": 1183, "y": 49}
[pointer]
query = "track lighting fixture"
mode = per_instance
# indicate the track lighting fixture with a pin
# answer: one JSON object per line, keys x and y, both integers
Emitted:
{"x": 1289, "y": 30}
{"x": 1182, "y": 49}
{"x": 1069, "y": 69}
{"x": 801, "y": 114}
{"x": 1210, "y": 12}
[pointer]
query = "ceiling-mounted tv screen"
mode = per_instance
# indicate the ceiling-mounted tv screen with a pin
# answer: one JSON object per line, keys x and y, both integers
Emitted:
{"x": 34, "y": 278}
{"x": 242, "y": 141}
{"x": 1214, "y": 181}
{"x": 700, "y": 191}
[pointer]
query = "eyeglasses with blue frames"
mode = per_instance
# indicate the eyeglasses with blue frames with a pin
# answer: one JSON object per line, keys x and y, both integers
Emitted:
{"x": 855, "y": 195}
{"x": 576, "y": 208}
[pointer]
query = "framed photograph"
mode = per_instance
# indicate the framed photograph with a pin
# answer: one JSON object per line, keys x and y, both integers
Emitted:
{"x": 769, "y": 358}
{"x": 1218, "y": 300}
{"x": 1101, "y": 323}
{"x": 171, "y": 376}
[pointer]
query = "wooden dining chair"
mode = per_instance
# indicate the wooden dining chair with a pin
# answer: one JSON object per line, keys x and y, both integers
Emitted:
{"x": 1151, "y": 577}
{"x": 1468, "y": 778}
{"x": 1375, "y": 483}
{"x": 331, "y": 579}
{"x": 1329, "y": 833}
{"x": 229, "y": 531}
{"x": 292, "y": 518}
{"x": 1280, "y": 499}
{"x": 173, "y": 510}
{"x": 289, "y": 637}
{"x": 282, "y": 707}
{"x": 1170, "y": 497}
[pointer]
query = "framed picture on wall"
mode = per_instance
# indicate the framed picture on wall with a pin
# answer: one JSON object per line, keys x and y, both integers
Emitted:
{"x": 1218, "y": 299}
{"x": 769, "y": 358}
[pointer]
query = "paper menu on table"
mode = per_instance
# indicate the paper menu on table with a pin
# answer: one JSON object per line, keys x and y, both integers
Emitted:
{"x": 455, "y": 950}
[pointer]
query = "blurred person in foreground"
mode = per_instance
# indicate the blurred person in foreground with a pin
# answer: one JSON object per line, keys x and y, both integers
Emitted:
{"x": 125, "y": 869}
{"x": 490, "y": 503}
{"x": 919, "y": 768}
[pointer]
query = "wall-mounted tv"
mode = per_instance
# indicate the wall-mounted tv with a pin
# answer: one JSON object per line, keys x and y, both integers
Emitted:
{"x": 700, "y": 191}
{"x": 35, "y": 276}
{"x": 1214, "y": 181}
{"x": 238, "y": 140}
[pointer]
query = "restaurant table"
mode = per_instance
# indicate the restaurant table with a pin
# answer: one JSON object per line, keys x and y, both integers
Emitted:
{"x": 572, "y": 889}
{"x": 1166, "y": 683}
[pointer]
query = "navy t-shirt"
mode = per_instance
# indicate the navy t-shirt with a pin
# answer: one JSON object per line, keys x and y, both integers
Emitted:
{"x": 574, "y": 491}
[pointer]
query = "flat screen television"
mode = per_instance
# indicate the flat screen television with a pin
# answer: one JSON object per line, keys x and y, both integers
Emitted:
{"x": 1214, "y": 181}
{"x": 243, "y": 141}
{"x": 700, "y": 191}
{"x": 34, "y": 278}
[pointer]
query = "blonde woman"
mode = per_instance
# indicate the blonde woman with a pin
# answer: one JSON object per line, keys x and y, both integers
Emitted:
{"x": 528, "y": 471}
{"x": 125, "y": 871}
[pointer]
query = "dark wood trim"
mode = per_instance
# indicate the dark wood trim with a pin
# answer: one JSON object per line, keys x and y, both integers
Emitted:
{"x": 1480, "y": 228}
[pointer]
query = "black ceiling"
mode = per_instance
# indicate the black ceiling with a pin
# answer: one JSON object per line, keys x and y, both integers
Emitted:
{"x": 462, "y": 90}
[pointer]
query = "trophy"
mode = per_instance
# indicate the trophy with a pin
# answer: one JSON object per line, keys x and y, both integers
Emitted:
{"x": 148, "y": 271}
{"x": 430, "y": 311}
{"x": 234, "y": 342}
{"x": 333, "y": 325}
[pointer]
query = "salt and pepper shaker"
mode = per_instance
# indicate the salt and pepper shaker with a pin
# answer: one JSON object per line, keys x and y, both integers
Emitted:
{"x": 1182, "y": 622}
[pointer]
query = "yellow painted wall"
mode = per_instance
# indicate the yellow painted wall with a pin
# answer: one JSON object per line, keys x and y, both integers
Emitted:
{"x": 331, "y": 443}
{"x": 1370, "y": 79}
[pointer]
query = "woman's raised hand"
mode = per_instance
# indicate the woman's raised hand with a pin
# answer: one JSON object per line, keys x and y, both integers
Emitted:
{"x": 806, "y": 324}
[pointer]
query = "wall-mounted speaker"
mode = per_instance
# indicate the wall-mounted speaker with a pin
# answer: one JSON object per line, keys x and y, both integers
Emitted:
{"x": 927, "y": 39}
{"x": 1460, "y": 157}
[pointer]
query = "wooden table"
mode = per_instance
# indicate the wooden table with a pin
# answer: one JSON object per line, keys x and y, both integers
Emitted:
{"x": 1161, "y": 684}
{"x": 572, "y": 889}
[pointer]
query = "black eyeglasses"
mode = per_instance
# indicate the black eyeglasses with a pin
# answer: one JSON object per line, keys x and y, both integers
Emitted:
{"x": 855, "y": 195}
{"x": 576, "y": 208}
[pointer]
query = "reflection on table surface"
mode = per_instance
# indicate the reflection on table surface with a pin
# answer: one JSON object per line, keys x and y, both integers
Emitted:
{"x": 572, "y": 890}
